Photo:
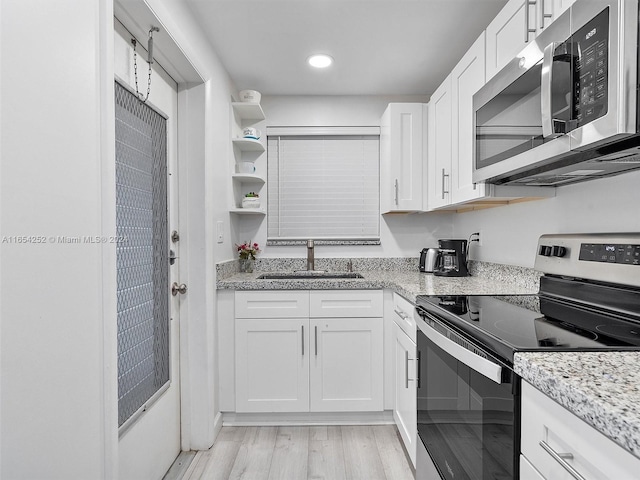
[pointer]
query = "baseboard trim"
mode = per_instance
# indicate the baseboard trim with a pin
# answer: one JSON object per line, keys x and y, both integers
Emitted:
{"x": 217, "y": 425}
{"x": 232, "y": 419}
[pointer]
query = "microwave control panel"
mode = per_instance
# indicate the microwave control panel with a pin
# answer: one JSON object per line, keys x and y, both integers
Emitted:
{"x": 590, "y": 69}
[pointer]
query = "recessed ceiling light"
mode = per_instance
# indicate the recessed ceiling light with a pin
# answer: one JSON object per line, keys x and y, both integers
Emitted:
{"x": 320, "y": 60}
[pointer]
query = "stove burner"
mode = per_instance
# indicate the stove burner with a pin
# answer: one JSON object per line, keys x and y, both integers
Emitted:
{"x": 627, "y": 332}
{"x": 577, "y": 330}
{"x": 512, "y": 330}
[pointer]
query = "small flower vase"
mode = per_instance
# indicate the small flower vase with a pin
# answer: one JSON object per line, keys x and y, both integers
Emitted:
{"x": 246, "y": 265}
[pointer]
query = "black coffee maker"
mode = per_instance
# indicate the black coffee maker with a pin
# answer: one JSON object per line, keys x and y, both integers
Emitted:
{"x": 452, "y": 259}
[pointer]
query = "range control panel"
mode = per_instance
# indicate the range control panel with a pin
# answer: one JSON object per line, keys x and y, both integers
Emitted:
{"x": 610, "y": 252}
{"x": 605, "y": 257}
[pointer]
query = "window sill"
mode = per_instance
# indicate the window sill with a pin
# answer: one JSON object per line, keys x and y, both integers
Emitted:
{"x": 295, "y": 242}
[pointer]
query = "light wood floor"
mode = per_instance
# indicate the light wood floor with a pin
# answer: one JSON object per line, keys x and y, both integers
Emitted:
{"x": 303, "y": 453}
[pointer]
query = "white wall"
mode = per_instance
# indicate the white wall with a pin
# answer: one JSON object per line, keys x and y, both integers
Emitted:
{"x": 400, "y": 235}
{"x": 58, "y": 398}
{"x": 510, "y": 233}
{"x": 322, "y": 111}
{"x": 58, "y": 390}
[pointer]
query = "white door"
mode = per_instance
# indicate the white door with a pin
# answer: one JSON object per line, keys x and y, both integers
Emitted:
{"x": 439, "y": 147}
{"x": 148, "y": 315}
{"x": 548, "y": 10}
{"x": 509, "y": 33}
{"x": 272, "y": 365}
{"x": 346, "y": 364}
{"x": 467, "y": 78}
{"x": 405, "y": 411}
{"x": 401, "y": 156}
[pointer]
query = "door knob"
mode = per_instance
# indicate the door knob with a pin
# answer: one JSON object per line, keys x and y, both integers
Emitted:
{"x": 176, "y": 289}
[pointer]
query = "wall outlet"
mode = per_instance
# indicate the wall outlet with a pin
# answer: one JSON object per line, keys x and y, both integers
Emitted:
{"x": 220, "y": 231}
{"x": 476, "y": 238}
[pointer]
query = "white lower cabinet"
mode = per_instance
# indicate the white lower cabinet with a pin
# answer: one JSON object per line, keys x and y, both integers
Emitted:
{"x": 527, "y": 472}
{"x": 555, "y": 441}
{"x": 405, "y": 393}
{"x": 346, "y": 364}
{"x": 272, "y": 365}
{"x": 404, "y": 412}
{"x": 308, "y": 363}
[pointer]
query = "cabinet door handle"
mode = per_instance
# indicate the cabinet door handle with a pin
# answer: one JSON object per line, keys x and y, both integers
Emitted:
{"x": 316, "y": 339}
{"x": 302, "y": 337}
{"x": 543, "y": 15}
{"x": 396, "y": 192}
{"x": 560, "y": 458}
{"x": 528, "y": 30}
{"x": 406, "y": 369}
{"x": 401, "y": 314}
{"x": 444, "y": 175}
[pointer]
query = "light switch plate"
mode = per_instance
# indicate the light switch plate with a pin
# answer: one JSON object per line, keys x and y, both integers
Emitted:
{"x": 220, "y": 231}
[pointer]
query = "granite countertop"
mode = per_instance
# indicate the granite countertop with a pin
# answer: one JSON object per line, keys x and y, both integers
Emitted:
{"x": 407, "y": 284}
{"x": 601, "y": 388}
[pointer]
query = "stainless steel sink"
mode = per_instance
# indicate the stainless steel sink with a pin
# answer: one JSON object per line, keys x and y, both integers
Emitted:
{"x": 308, "y": 275}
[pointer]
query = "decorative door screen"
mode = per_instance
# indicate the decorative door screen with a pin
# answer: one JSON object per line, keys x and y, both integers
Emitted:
{"x": 142, "y": 253}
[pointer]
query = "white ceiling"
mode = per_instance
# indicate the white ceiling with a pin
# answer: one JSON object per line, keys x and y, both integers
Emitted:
{"x": 380, "y": 47}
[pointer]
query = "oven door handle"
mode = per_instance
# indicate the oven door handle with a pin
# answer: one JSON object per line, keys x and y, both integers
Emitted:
{"x": 481, "y": 365}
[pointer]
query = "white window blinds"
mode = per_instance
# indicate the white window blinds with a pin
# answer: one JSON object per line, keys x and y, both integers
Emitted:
{"x": 323, "y": 187}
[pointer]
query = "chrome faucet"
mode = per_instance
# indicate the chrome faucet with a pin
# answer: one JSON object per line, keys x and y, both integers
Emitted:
{"x": 310, "y": 255}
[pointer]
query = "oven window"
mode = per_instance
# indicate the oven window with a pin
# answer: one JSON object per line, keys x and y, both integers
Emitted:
{"x": 466, "y": 421}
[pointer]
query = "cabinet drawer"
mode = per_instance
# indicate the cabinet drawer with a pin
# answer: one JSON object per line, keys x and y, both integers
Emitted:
{"x": 345, "y": 303}
{"x": 272, "y": 304}
{"x": 404, "y": 313}
{"x": 594, "y": 456}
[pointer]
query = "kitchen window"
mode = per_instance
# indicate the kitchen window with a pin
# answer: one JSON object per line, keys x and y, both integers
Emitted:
{"x": 323, "y": 184}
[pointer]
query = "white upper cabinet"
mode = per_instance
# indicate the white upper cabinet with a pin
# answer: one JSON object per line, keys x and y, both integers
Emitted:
{"x": 509, "y": 33}
{"x": 519, "y": 22}
{"x": 402, "y": 156}
{"x": 450, "y": 112}
{"x": 439, "y": 146}
{"x": 548, "y": 10}
{"x": 466, "y": 79}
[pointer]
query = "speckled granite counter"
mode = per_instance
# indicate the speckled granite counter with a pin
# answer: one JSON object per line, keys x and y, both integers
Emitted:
{"x": 603, "y": 389}
{"x": 407, "y": 284}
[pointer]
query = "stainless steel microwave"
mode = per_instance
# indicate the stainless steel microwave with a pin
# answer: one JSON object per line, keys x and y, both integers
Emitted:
{"x": 566, "y": 108}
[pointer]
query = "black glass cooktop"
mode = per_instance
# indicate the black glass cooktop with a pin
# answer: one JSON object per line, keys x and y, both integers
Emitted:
{"x": 509, "y": 323}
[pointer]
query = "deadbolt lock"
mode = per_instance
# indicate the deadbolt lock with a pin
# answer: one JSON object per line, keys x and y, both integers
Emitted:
{"x": 176, "y": 289}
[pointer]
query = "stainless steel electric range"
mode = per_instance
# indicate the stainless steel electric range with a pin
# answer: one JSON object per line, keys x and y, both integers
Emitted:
{"x": 468, "y": 394}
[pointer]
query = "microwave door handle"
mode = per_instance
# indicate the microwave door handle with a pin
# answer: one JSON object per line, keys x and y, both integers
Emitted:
{"x": 545, "y": 90}
{"x": 477, "y": 363}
